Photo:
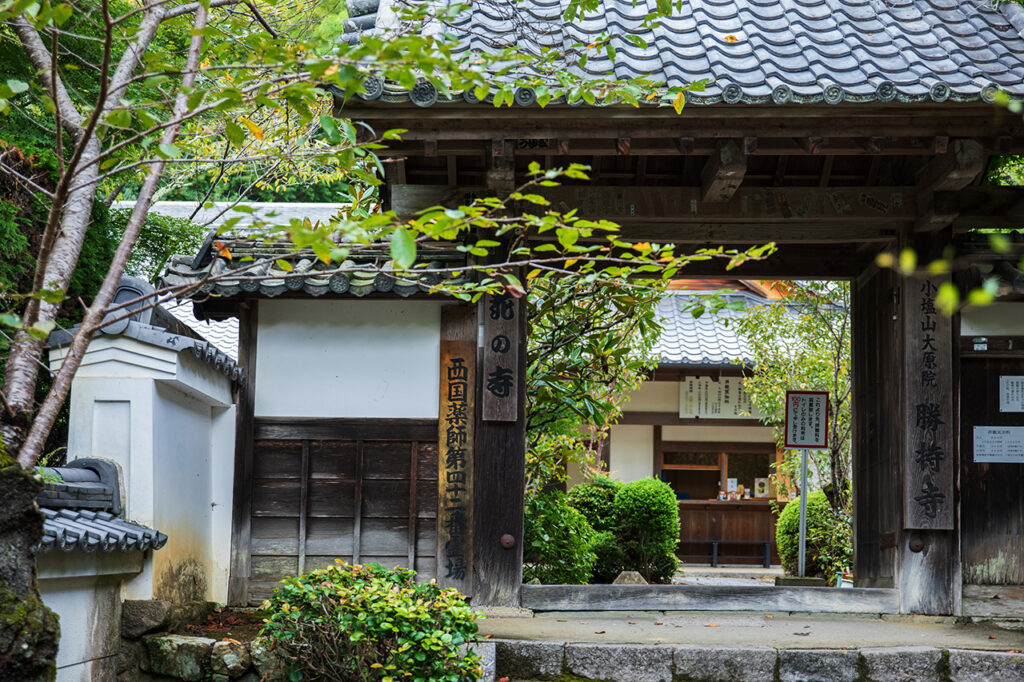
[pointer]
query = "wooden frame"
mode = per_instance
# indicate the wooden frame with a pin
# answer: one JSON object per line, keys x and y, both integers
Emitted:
{"x": 241, "y": 510}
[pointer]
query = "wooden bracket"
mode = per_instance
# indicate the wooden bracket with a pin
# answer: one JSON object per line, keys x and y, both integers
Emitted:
{"x": 685, "y": 145}
{"x": 955, "y": 169}
{"x": 723, "y": 173}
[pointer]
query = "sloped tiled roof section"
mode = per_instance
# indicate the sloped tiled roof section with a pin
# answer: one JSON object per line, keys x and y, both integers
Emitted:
{"x": 89, "y": 530}
{"x": 81, "y": 503}
{"x": 763, "y": 51}
{"x": 705, "y": 341}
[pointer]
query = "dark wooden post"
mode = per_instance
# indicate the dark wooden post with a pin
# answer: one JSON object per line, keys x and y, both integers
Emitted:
{"x": 499, "y": 482}
{"x": 927, "y": 546}
{"x": 456, "y": 448}
{"x": 241, "y": 508}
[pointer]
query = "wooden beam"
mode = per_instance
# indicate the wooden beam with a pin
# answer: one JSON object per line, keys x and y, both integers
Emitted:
{"x": 826, "y": 171}
{"x": 876, "y": 144}
{"x": 685, "y": 145}
{"x": 673, "y": 419}
{"x": 813, "y": 144}
{"x": 749, "y": 145}
{"x": 563, "y": 146}
{"x": 241, "y": 510}
{"x": 622, "y": 145}
{"x": 453, "y": 170}
{"x": 760, "y": 598}
{"x": 955, "y": 169}
{"x": 723, "y": 173}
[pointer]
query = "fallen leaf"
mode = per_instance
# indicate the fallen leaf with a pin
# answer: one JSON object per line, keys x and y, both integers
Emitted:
{"x": 632, "y": 622}
{"x": 502, "y": 679}
{"x": 711, "y": 625}
{"x": 768, "y": 615}
{"x": 731, "y": 38}
{"x": 598, "y": 632}
{"x": 488, "y": 636}
{"x": 223, "y": 251}
{"x": 659, "y": 623}
{"x": 801, "y": 634}
{"x": 991, "y": 636}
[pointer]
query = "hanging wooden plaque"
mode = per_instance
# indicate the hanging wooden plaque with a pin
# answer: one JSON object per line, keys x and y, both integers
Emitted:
{"x": 929, "y": 457}
{"x": 502, "y": 377}
{"x": 457, "y": 407}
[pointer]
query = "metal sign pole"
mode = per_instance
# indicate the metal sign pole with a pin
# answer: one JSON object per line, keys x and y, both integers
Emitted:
{"x": 803, "y": 512}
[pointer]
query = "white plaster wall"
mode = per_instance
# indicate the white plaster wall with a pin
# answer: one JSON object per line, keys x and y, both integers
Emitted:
{"x": 632, "y": 456}
{"x": 166, "y": 420}
{"x": 654, "y": 396}
{"x": 705, "y": 434}
{"x": 348, "y": 359}
{"x": 182, "y": 495}
{"x": 84, "y": 591}
{"x": 997, "y": 319}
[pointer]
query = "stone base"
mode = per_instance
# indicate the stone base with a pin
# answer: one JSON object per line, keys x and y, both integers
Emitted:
{"x": 796, "y": 581}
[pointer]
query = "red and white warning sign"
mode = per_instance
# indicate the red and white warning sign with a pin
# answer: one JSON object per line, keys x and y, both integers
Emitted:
{"x": 807, "y": 419}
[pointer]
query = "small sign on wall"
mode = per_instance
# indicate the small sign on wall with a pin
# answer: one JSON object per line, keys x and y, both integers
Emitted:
{"x": 807, "y": 419}
{"x": 1011, "y": 394}
{"x": 707, "y": 398}
{"x": 999, "y": 444}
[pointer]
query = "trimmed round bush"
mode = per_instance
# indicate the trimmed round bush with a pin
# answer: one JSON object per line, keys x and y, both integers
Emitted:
{"x": 647, "y": 526}
{"x": 361, "y": 623}
{"x": 787, "y": 532}
{"x": 557, "y": 541}
{"x": 596, "y": 500}
{"x": 609, "y": 559}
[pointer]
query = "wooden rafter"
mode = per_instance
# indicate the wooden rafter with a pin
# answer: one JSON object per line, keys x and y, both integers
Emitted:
{"x": 723, "y": 173}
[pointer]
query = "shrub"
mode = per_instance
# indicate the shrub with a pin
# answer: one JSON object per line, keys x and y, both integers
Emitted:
{"x": 609, "y": 560}
{"x": 596, "y": 500}
{"x": 825, "y": 537}
{"x": 647, "y": 526}
{"x": 557, "y": 541}
{"x": 358, "y": 623}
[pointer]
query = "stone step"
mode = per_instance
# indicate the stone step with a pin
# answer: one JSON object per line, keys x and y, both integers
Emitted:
{"x": 532, "y": 661}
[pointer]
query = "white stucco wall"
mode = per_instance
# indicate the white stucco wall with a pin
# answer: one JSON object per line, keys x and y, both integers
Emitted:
{"x": 351, "y": 359}
{"x": 654, "y": 396}
{"x": 718, "y": 434}
{"x": 166, "y": 419}
{"x": 632, "y": 452}
{"x": 84, "y": 590}
{"x": 997, "y": 319}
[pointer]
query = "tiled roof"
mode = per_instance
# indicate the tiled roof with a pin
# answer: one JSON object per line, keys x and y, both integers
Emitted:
{"x": 89, "y": 530}
{"x": 688, "y": 341}
{"x": 762, "y": 51}
{"x": 80, "y": 503}
{"x": 258, "y": 272}
{"x": 222, "y": 334}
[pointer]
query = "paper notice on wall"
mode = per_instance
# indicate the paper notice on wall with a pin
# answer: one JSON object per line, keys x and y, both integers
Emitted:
{"x": 999, "y": 444}
{"x": 1011, "y": 394}
{"x": 707, "y": 398}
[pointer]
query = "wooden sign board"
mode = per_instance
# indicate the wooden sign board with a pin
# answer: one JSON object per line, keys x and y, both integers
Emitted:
{"x": 807, "y": 420}
{"x": 708, "y": 398}
{"x": 455, "y": 460}
{"x": 928, "y": 456}
{"x": 501, "y": 379}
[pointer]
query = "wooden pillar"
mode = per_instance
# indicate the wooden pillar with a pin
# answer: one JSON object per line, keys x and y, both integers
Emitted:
{"x": 929, "y": 456}
{"x": 241, "y": 510}
{"x": 500, "y": 476}
{"x": 456, "y": 449}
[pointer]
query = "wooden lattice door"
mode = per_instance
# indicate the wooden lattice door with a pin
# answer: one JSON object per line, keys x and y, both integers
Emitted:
{"x": 358, "y": 490}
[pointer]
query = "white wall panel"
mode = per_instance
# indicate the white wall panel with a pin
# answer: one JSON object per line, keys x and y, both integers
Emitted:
{"x": 353, "y": 359}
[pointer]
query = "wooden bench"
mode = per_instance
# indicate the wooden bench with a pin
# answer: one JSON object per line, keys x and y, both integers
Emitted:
{"x": 766, "y": 546}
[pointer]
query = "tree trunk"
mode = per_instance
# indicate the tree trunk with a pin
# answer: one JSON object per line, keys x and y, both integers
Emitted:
{"x": 29, "y": 631}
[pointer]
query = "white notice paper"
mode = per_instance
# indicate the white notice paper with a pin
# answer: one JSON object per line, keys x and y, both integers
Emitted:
{"x": 1011, "y": 394}
{"x": 999, "y": 444}
{"x": 707, "y": 398}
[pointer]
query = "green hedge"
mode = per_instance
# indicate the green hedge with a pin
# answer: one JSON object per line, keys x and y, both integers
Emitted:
{"x": 647, "y": 526}
{"x": 596, "y": 500}
{"x": 787, "y": 533}
{"x": 370, "y": 623}
{"x": 557, "y": 541}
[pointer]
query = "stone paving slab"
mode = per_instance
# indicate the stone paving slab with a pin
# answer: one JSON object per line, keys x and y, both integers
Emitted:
{"x": 779, "y": 630}
{"x": 519, "y": 661}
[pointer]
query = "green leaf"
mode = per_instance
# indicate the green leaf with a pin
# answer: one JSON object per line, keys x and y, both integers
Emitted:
{"x": 168, "y": 151}
{"x": 403, "y": 248}
{"x": 17, "y": 86}
{"x": 10, "y": 320}
{"x": 283, "y": 265}
{"x": 330, "y": 129}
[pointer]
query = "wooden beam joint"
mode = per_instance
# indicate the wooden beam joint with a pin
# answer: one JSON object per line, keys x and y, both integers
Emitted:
{"x": 723, "y": 173}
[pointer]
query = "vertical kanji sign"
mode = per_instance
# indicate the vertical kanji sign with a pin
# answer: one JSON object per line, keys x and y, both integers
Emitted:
{"x": 455, "y": 465}
{"x": 501, "y": 379}
{"x": 928, "y": 412}
{"x": 807, "y": 420}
